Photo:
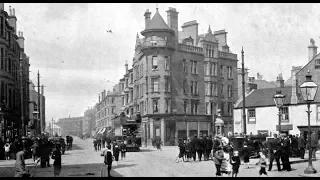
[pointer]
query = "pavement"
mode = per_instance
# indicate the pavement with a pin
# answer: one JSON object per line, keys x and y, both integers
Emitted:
{"x": 83, "y": 161}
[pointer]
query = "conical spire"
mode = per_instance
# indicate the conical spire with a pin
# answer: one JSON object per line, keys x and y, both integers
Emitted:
{"x": 209, "y": 30}
{"x": 157, "y": 22}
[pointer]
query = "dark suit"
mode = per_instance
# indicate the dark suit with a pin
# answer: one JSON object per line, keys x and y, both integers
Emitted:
{"x": 285, "y": 154}
{"x": 199, "y": 145}
{"x": 275, "y": 152}
{"x": 208, "y": 148}
{"x": 301, "y": 146}
{"x": 193, "y": 143}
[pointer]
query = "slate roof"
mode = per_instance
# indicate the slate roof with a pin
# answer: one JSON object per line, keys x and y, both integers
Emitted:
{"x": 157, "y": 22}
{"x": 264, "y": 97}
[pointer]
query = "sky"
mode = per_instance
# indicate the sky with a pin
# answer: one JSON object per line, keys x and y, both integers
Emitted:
{"x": 77, "y": 58}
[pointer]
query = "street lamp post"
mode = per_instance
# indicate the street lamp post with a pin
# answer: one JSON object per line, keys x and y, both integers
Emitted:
{"x": 308, "y": 90}
{"x": 279, "y": 101}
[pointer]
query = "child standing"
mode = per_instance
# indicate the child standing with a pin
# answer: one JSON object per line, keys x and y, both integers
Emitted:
{"x": 235, "y": 162}
{"x": 263, "y": 164}
{"x": 7, "y": 150}
{"x": 218, "y": 156}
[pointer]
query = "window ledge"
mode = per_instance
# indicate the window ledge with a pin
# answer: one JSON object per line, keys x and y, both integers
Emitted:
{"x": 155, "y": 92}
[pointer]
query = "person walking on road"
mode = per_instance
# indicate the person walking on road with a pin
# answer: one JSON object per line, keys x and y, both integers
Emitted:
{"x": 116, "y": 152}
{"x": 123, "y": 148}
{"x": 246, "y": 155}
{"x": 108, "y": 158}
{"x": 56, "y": 155}
{"x": 263, "y": 164}
{"x": 301, "y": 145}
{"x": 99, "y": 144}
{"x": 235, "y": 162}
{"x": 95, "y": 144}
{"x": 35, "y": 152}
{"x": 20, "y": 165}
{"x": 275, "y": 152}
{"x": 314, "y": 144}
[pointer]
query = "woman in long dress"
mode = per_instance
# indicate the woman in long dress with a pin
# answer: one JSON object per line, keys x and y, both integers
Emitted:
{"x": 56, "y": 155}
{"x": 20, "y": 166}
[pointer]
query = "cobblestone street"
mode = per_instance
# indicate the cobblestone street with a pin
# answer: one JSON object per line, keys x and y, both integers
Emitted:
{"x": 84, "y": 161}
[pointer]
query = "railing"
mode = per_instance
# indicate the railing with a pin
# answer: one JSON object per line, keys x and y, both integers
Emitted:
{"x": 227, "y": 55}
{"x": 190, "y": 48}
{"x": 157, "y": 43}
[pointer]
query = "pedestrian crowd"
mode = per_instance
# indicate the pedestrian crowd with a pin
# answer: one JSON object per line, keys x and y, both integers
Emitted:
{"x": 111, "y": 152}
{"x": 227, "y": 159}
{"x": 38, "y": 148}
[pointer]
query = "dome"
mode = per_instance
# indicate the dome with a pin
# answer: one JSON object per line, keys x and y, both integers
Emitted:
{"x": 219, "y": 121}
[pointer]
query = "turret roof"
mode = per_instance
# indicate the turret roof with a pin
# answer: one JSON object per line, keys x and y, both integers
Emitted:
{"x": 157, "y": 22}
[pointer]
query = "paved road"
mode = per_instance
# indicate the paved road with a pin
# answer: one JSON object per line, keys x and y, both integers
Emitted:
{"x": 84, "y": 161}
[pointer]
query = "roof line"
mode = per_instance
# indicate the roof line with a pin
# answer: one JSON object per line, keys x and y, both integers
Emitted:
{"x": 308, "y": 63}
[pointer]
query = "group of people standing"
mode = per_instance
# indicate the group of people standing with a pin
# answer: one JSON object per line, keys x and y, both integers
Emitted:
{"x": 113, "y": 155}
{"x": 190, "y": 148}
{"x": 98, "y": 143}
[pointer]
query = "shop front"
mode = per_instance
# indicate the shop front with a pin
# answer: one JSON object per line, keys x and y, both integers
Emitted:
{"x": 170, "y": 129}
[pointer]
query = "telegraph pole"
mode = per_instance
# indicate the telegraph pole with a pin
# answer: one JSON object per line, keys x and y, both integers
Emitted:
{"x": 243, "y": 96}
{"x": 39, "y": 117}
{"x": 52, "y": 127}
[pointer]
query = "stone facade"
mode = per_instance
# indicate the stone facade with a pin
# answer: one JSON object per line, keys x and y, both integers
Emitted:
{"x": 179, "y": 82}
{"x": 14, "y": 91}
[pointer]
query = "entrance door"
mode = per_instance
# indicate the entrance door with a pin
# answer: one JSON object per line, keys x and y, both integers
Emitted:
{"x": 170, "y": 133}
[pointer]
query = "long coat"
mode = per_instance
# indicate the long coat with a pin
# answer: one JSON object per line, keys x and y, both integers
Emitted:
{"x": 301, "y": 142}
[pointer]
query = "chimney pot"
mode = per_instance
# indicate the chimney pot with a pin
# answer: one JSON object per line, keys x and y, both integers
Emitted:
{"x": 13, "y": 12}
{"x": 312, "y": 49}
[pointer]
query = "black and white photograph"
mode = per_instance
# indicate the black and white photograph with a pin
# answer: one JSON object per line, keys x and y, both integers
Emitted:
{"x": 159, "y": 90}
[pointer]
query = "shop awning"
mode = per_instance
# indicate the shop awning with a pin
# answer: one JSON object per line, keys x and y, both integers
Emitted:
{"x": 102, "y": 130}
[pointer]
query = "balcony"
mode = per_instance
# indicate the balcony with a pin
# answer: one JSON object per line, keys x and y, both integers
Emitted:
{"x": 226, "y": 55}
{"x": 189, "y": 48}
{"x": 157, "y": 43}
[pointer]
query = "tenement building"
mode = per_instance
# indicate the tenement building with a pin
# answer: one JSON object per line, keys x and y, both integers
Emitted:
{"x": 181, "y": 79}
{"x": 108, "y": 107}
{"x": 71, "y": 126}
{"x": 14, "y": 77}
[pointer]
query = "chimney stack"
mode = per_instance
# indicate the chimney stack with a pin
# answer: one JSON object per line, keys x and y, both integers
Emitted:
{"x": 2, "y": 6}
{"x": 294, "y": 97}
{"x": 172, "y": 20}
{"x": 312, "y": 50}
{"x": 21, "y": 40}
{"x": 126, "y": 67}
{"x": 99, "y": 98}
{"x": 12, "y": 19}
{"x": 280, "y": 81}
{"x": 147, "y": 15}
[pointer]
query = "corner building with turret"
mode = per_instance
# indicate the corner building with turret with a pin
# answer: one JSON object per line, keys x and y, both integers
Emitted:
{"x": 181, "y": 79}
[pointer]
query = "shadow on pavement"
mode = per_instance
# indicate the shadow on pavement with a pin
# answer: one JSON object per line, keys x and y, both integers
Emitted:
{"x": 122, "y": 166}
{"x": 75, "y": 147}
{"x": 143, "y": 150}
